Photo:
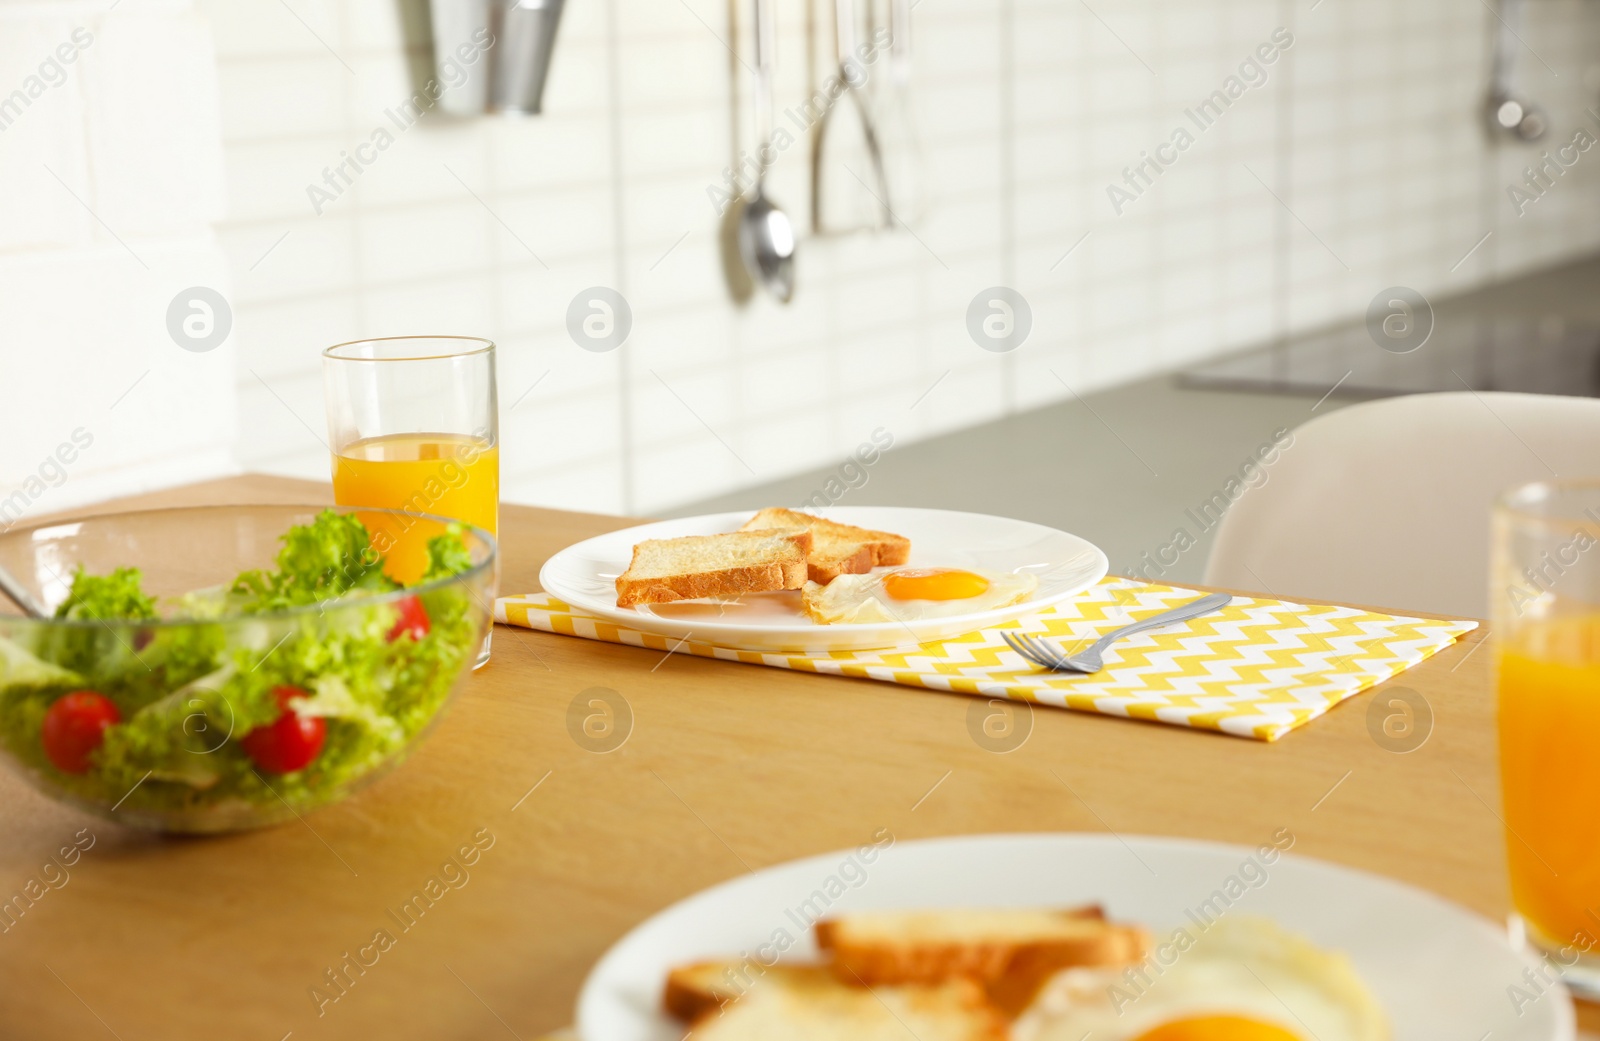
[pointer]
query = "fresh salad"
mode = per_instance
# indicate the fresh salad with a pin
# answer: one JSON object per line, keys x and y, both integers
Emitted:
{"x": 244, "y": 704}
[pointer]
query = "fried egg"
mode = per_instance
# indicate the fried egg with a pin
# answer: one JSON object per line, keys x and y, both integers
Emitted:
{"x": 1241, "y": 979}
{"x": 906, "y": 594}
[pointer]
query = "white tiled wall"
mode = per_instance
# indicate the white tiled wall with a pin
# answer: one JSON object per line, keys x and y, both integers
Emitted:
{"x": 1360, "y": 164}
{"x": 110, "y": 179}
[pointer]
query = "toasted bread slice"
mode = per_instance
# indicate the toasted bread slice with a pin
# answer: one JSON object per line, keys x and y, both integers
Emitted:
{"x": 838, "y": 549}
{"x": 805, "y": 1003}
{"x": 1010, "y": 952}
{"x": 664, "y": 570}
{"x": 695, "y": 990}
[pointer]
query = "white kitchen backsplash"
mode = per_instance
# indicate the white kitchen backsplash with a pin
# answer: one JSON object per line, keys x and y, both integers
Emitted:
{"x": 1352, "y": 161}
{"x": 111, "y": 163}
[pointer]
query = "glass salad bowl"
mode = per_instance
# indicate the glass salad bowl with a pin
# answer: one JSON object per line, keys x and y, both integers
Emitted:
{"x": 218, "y": 668}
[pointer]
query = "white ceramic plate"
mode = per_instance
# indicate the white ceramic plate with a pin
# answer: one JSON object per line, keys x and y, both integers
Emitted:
{"x": 585, "y": 575}
{"x": 1437, "y": 970}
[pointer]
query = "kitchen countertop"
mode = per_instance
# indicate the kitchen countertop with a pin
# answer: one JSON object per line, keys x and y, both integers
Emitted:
{"x": 1151, "y": 449}
{"x": 728, "y": 768}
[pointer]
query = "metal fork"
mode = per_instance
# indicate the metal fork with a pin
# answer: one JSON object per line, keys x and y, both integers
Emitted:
{"x": 1048, "y": 656}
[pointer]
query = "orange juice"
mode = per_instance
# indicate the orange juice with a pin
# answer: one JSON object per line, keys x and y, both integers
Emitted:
{"x": 453, "y": 475}
{"x": 1550, "y": 775}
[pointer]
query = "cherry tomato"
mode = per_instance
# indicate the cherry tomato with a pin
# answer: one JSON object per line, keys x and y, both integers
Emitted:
{"x": 413, "y": 619}
{"x": 290, "y": 742}
{"x": 74, "y": 726}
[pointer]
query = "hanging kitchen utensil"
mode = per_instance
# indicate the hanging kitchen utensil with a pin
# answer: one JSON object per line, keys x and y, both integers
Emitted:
{"x": 522, "y": 55}
{"x": 1509, "y": 113}
{"x": 493, "y": 55}
{"x": 741, "y": 287}
{"x": 904, "y": 168}
{"x": 849, "y": 190}
{"x": 766, "y": 235}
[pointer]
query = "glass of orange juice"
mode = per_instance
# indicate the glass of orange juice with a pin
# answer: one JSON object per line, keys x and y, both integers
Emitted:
{"x": 413, "y": 426}
{"x": 1545, "y": 599}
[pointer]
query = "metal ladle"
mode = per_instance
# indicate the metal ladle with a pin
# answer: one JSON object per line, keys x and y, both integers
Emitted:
{"x": 1507, "y": 112}
{"x": 766, "y": 235}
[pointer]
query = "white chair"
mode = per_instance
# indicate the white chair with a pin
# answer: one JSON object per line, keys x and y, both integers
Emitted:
{"x": 1387, "y": 503}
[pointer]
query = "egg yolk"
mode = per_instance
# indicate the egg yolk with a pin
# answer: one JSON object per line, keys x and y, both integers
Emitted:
{"x": 933, "y": 583}
{"x": 1217, "y": 1028}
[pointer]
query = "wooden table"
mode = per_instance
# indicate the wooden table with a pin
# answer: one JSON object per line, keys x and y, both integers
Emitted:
{"x": 729, "y": 768}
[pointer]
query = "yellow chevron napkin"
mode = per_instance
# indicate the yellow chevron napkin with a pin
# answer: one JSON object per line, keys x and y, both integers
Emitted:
{"x": 1258, "y": 668}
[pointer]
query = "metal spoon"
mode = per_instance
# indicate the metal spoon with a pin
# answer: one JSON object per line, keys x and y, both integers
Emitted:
{"x": 18, "y": 594}
{"x": 766, "y": 236}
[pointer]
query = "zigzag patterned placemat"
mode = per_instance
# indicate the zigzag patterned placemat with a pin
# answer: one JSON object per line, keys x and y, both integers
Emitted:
{"x": 1258, "y": 668}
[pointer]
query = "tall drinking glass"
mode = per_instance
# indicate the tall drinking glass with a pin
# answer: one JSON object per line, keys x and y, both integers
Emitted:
{"x": 1545, "y": 601}
{"x": 413, "y": 426}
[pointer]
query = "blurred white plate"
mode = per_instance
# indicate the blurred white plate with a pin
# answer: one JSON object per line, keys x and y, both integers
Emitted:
{"x": 585, "y": 576}
{"x": 1438, "y": 970}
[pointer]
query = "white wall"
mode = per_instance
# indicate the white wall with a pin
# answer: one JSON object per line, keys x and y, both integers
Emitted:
{"x": 1359, "y": 165}
{"x": 110, "y": 179}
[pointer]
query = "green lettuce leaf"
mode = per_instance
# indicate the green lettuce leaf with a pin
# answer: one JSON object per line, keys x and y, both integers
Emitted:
{"x": 448, "y": 554}
{"x": 327, "y": 558}
{"x": 114, "y": 596}
{"x": 20, "y": 670}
